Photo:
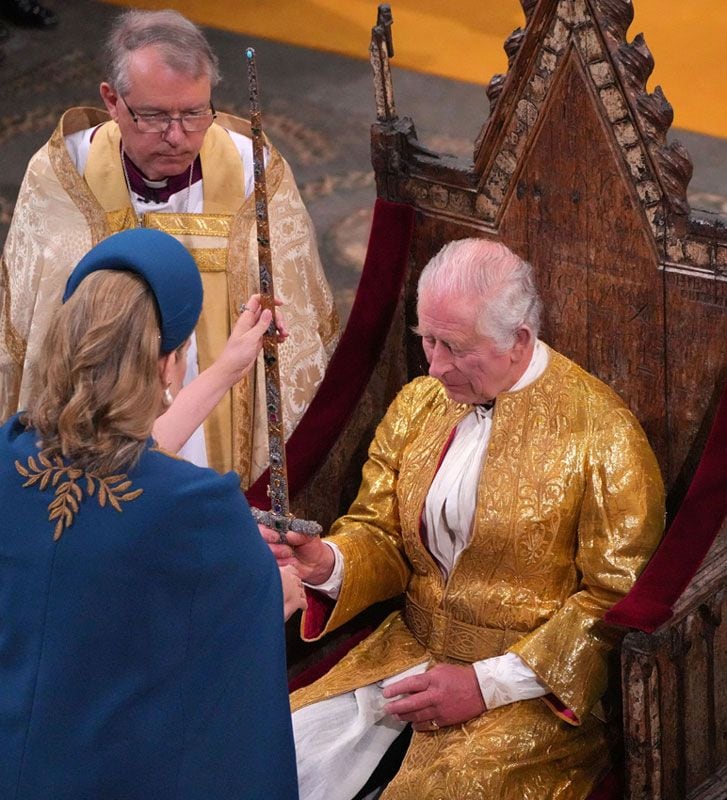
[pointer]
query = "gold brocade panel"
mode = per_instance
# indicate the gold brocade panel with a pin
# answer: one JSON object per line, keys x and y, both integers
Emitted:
{"x": 206, "y": 238}
{"x": 519, "y": 751}
{"x": 212, "y": 331}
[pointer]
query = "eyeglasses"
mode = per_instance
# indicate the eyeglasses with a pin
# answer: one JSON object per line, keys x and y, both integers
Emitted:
{"x": 192, "y": 122}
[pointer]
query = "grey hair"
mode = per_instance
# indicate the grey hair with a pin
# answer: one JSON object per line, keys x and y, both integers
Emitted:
{"x": 489, "y": 274}
{"x": 182, "y": 45}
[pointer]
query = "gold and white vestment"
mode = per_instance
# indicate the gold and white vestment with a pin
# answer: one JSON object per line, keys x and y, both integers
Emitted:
{"x": 61, "y": 214}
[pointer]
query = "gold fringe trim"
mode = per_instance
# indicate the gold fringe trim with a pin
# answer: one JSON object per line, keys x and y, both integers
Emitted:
{"x": 210, "y": 259}
{"x": 14, "y": 342}
{"x": 121, "y": 220}
{"x": 75, "y": 186}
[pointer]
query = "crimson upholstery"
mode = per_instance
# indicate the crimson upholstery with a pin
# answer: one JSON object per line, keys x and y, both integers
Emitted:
{"x": 685, "y": 544}
{"x": 357, "y": 353}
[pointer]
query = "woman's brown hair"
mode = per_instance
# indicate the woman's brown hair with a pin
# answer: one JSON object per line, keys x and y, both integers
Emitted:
{"x": 99, "y": 367}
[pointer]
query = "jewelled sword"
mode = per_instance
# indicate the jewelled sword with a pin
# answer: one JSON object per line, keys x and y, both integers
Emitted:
{"x": 279, "y": 517}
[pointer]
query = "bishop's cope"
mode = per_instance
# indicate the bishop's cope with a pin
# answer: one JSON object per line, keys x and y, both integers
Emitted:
{"x": 162, "y": 156}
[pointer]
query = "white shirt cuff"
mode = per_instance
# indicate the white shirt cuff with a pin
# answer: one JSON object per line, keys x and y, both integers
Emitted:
{"x": 507, "y": 679}
{"x": 332, "y": 586}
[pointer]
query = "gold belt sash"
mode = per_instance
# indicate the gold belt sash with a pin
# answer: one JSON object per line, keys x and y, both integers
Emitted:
{"x": 447, "y": 637}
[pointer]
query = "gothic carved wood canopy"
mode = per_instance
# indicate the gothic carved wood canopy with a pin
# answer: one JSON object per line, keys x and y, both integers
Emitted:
{"x": 573, "y": 171}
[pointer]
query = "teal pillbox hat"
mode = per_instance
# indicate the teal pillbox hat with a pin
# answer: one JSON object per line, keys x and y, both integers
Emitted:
{"x": 167, "y": 267}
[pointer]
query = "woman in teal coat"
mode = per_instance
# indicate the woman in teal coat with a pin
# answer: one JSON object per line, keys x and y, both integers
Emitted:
{"x": 141, "y": 638}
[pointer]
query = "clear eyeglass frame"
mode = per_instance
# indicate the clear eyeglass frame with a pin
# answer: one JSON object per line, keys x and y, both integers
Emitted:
{"x": 196, "y": 122}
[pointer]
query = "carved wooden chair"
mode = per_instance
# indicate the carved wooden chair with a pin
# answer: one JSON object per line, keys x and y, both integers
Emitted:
{"x": 573, "y": 172}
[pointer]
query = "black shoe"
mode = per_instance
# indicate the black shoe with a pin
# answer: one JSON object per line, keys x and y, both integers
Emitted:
{"x": 4, "y": 32}
{"x": 27, "y": 12}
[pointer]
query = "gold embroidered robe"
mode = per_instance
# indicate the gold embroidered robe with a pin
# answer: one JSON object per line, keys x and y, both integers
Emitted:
{"x": 60, "y": 215}
{"x": 570, "y": 507}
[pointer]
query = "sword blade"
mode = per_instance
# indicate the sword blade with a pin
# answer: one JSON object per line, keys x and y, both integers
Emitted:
{"x": 278, "y": 489}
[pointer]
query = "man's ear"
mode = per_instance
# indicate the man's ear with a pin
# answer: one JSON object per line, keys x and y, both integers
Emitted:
{"x": 110, "y": 99}
{"x": 523, "y": 343}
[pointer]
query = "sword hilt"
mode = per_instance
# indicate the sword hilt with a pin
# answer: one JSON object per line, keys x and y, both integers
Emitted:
{"x": 282, "y": 523}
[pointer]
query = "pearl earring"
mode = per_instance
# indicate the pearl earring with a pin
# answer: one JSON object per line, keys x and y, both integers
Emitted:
{"x": 168, "y": 397}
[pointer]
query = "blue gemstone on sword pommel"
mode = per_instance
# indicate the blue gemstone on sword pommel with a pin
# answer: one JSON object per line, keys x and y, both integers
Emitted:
{"x": 249, "y": 52}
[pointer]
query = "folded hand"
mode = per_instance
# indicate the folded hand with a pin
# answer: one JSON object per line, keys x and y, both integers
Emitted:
{"x": 446, "y": 694}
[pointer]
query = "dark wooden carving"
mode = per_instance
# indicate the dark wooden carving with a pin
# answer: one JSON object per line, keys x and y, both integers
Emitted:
{"x": 675, "y": 683}
{"x": 597, "y": 280}
{"x": 512, "y": 48}
{"x": 381, "y": 49}
{"x": 572, "y": 169}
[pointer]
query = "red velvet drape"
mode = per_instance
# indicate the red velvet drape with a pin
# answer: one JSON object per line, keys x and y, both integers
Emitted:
{"x": 358, "y": 351}
{"x": 685, "y": 544}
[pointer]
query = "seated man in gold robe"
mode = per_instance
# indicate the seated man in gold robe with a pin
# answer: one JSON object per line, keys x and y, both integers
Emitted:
{"x": 513, "y": 498}
{"x": 160, "y": 156}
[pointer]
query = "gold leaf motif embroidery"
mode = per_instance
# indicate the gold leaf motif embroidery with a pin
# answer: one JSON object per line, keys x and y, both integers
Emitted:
{"x": 68, "y": 493}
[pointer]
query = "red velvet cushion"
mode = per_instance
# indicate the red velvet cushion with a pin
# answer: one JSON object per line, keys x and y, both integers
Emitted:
{"x": 687, "y": 541}
{"x": 610, "y": 788}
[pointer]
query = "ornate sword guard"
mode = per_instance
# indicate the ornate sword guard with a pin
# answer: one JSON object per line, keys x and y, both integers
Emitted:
{"x": 281, "y": 524}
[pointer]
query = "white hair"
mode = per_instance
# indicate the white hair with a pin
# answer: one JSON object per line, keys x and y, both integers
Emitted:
{"x": 181, "y": 44}
{"x": 490, "y": 275}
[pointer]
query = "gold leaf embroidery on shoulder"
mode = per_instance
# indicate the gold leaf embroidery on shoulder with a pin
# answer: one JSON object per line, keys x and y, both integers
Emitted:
{"x": 112, "y": 489}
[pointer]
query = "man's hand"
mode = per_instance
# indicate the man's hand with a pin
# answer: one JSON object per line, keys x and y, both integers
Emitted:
{"x": 444, "y": 695}
{"x": 313, "y": 560}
